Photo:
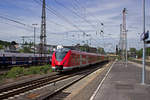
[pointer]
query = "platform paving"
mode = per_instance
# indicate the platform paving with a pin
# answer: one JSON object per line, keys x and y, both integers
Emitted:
{"x": 123, "y": 83}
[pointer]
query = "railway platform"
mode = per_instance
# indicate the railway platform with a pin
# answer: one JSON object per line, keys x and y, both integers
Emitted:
{"x": 123, "y": 83}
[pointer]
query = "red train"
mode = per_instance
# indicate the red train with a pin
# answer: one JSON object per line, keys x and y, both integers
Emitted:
{"x": 65, "y": 59}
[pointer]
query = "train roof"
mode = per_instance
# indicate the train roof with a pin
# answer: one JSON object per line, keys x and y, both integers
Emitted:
{"x": 78, "y": 51}
{"x": 9, "y": 54}
{"x": 85, "y": 53}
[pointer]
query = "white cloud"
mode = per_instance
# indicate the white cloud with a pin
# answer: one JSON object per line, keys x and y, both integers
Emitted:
{"x": 109, "y": 12}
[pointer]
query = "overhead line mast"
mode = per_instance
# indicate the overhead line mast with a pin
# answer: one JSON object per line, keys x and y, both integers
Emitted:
{"x": 124, "y": 36}
{"x": 43, "y": 31}
{"x": 54, "y": 12}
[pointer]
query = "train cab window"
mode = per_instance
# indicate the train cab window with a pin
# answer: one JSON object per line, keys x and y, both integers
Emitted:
{"x": 61, "y": 53}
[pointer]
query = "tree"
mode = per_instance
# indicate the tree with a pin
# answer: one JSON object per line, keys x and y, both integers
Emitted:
{"x": 139, "y": 53}
{"x": 85, "y": 47}
{"x": 25, "y": 50}
{"x": 101, "y": 50}
{"x": 13, "y": 43}
{"x": 1, "y": 47}
{"x": 4, "y": 43}
{"x": 148, "y": 51}
{"x": 133, "y": 50}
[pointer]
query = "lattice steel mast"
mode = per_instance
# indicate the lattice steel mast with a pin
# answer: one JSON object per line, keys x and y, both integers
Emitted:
{"x": 43, "y": 31}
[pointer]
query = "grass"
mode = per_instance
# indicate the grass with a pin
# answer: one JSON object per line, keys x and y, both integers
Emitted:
{"x": 21, "y": 71}
{"x": 15, "y": 72}
{"x": 2, "y": 77}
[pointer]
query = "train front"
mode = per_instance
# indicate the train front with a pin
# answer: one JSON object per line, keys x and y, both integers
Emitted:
{"x": 60, "y": 59}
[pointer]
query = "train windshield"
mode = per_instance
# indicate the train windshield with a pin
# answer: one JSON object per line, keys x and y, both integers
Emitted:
{"x": 61, "y": 53}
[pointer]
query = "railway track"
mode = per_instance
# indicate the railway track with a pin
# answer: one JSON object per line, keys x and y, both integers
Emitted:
{"x": 20, "y": 88}
{"x": 8, "y": 92}
{"x": 3, "y": 72}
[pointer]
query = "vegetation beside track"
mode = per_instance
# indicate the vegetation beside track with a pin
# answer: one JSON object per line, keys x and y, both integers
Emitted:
{"x": 21, "y": 71}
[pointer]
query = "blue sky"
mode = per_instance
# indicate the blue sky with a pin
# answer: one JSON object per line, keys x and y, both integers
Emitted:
{"x": 85, "y": 14}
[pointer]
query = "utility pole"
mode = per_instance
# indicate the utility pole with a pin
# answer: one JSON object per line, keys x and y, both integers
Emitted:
{"x": 43, "y": 31}
{"x": 143, "y": 69}
{"x": 124, "y": 37}
{"x": 34, "y": 25}
{"x": 120, "y": 42}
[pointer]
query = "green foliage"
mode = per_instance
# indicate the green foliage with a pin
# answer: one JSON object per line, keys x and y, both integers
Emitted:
{"x": 118, "y": 57}
{"x": 132, "y": 50}
{"x": 101, "y": 50}
{"x": 139, "y": 53}
{"x": 4, "y": 43}
{"x": 37, "y": 70}
{"x": 85, "y": 47}
{"x": 15, "y": 72}
{"x": 1, "y": 46}
{"x": 45, "y": 69}
{"x": 25, "y": 50}
{"x": 130, "y": 58}
{"x": 148, "y": 51}
{"x": 34, "y": 70}
{"x": 28, "y": 44}
{"x": 21, "y": 50}
{"x": 20, "y": 71}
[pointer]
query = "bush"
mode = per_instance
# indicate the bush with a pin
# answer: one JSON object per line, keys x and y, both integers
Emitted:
{"x": 20, "y": 71}
{"x": 45, "y": 69}
{"x": 34, "y": 70}
{"x": 15, "y": 72}
{"x": 37, "y": 70}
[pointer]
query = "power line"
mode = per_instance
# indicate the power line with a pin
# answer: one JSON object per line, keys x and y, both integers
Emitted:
{"x": 99, "y": 22}
{"x": 15, "y": 21}
{"x": 77, "y": 2}
{"x": 75, "y": 13}
{"x": 77, "y": 6}
{"x": 25, "y": 28}
{"x": 18, "y": 22}
{"x": 85, "y": 8}
{"x": 51, "y": 10}
{"x": 8, "y": 16}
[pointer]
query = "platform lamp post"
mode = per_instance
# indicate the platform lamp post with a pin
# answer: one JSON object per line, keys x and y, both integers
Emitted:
{"x": 34, "y": 26}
